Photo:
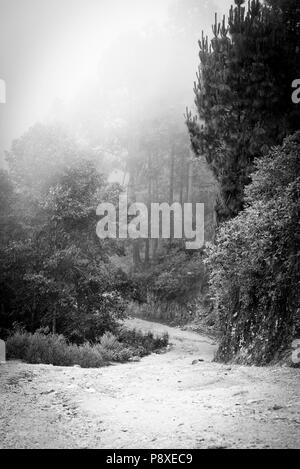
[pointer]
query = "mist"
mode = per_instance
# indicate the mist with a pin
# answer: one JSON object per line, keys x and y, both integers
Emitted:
{"x": 64, "y": 60}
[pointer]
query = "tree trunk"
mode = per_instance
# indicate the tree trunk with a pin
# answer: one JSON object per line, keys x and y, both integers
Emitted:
{"x": 54, "y": 322}
{"x": 147, "y": 247}
{"x": 171, "y": 192}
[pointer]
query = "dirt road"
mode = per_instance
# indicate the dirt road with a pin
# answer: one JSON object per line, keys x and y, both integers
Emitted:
{"x": 164, "y": 401}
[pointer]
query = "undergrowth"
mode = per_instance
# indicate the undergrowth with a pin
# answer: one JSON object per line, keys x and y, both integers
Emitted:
{"x": 43, "y": 348}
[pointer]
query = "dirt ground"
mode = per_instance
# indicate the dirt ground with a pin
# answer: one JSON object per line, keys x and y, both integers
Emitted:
{"x": 169, "y": 400}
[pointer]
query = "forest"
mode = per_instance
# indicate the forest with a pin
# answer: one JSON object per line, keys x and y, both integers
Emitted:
{"x": 65, "y": 293}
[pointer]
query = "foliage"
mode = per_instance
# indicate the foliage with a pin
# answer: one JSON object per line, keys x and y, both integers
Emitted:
{"x": 243, "y": 95}
{"x": 54, "y": 349}
{"x": 174, "y": 276}
{"x": 254, "y": 265}
{"x": 39, "y": 156}
{"x": 55, "y": 272}
{"x": 143, "y": 344}
{"x": 45, "y": 348}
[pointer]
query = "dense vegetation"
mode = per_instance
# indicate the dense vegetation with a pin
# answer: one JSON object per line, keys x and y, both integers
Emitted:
{"x": 243, "y": 99}
{"x": 54, "y": 349}
{"x": 55, "y": 272}
{"x": 255, "y": 270}
{"x": 63, "y": 288}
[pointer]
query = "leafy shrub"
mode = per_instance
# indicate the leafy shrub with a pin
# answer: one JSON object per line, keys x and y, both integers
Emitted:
{"x": 54, "y": 349}
{"x": 112, "y": 349}
{"x": 176, "y": 276}
{"x": 142, "y": 343}
{"x": 254, "y": 266}
{"x": 174, "y": 313}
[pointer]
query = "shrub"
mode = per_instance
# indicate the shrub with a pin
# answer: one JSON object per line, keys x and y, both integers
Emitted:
{"x": 254, "y": 266}
{"x": 113, "y": 350}
{"x": 175, "y": 277}
{"x": 54, "y": 349}
{"x": 142, "y": 343}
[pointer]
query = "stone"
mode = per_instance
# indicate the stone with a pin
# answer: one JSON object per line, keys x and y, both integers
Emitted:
{"x": 134, "y": 359}
{"x": 296, "y": 344}
{"x": 200, "y": 360}
{"x": 276, "y": 407}
{"x": 296, "y": 352}
{"x": 296, "y": 356}
{"x": 2, "y": 352}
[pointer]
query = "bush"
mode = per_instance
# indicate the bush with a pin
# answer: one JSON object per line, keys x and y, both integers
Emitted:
{"x": 254, "y": 266}
{"x": 113, "y": 350}
{"x": 175, "y": 277}
{"x": 143, "y": 344}
{"x": 52, "y": 349}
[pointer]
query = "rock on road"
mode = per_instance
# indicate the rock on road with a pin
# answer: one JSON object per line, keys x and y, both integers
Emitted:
{"x": 171, "y": 400}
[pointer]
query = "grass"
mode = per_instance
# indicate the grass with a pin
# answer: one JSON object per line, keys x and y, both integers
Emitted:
{"x": 40, "y": 348}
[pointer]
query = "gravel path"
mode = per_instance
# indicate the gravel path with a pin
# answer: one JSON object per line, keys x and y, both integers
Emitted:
{"x": 169, "y": 400}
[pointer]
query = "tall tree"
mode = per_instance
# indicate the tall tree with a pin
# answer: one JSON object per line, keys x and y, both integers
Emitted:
{"x": 243, "y": 96}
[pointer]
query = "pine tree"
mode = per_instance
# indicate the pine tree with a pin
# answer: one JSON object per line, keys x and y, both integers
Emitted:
{"x": 243, "y": 95}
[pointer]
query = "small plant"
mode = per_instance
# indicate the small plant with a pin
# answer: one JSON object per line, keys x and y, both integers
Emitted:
{"x": 144, "y": 344}
{"x": 53, "y": 349}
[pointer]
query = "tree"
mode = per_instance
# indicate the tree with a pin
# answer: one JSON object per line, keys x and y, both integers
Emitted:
{"x": 243, "y": 96}
{"x": 39, "y": 156}
{"x": 10, "y": 227}
{"x": 58, "y": 273}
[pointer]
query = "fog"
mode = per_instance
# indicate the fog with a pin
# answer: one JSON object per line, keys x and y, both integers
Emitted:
{"x": 93, "y": 64}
